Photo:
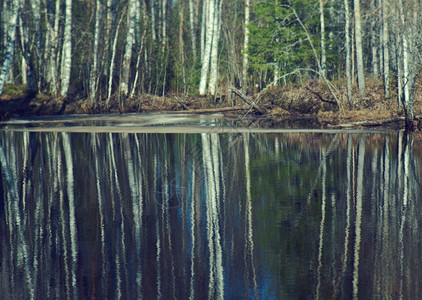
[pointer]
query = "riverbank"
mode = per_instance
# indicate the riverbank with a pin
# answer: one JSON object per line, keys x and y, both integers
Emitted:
{"x": 310, "y": 100}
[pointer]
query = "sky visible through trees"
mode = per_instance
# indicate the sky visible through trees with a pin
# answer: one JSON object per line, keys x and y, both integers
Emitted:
{"x": 99, "y": 48}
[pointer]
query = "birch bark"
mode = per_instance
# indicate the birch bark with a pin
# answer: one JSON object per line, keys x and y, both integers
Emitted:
{"x": 374, "y": 43}
{"x": 408, "y": 72}
{"x": 323, "y": 55}
{"x": 205, "y": 19}
{"x": 124, "y": 84}
{"x": 11, "y": 36}
{"x": 35, "y": 7}
{"x": 386, "y": 57}
{"x": 66, "y": 62}
{"x": 93, "y": 78}
{"x": 192, "y": 28}
{"x": 246, "y": 43}
{"x": 348, "y": 54}
{"x": 212, "y": 87}
{"x": 207, "y": 49}
{"x": 359, "y": 49}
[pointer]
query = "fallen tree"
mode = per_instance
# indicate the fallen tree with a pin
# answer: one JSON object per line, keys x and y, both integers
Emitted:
{"x": 373, "y": 123}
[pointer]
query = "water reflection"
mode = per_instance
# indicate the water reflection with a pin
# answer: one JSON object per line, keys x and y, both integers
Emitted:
{"x": 192, "y": 216}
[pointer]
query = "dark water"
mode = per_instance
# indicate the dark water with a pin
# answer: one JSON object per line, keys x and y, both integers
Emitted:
{"x": 240, "y": 215}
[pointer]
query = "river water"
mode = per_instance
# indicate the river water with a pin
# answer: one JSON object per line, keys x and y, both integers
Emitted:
{"x": 179, "y": 207}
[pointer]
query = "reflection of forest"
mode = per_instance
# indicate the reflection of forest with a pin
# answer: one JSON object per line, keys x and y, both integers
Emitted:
{"x": 210, "y": 215}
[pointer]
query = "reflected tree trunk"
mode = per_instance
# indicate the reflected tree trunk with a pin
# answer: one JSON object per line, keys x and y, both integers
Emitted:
{"x": 359, "y": 209}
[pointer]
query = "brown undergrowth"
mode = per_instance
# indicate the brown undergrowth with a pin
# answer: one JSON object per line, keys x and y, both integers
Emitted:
{"x": 311, "y": 99}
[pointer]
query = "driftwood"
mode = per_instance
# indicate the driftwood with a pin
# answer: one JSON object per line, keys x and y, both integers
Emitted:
{"x": 380, "y": 122}
{"x": 248, "y": 101}
{"x": 368, "y": 123}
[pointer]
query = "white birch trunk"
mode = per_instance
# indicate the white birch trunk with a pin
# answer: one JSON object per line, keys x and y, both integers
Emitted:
{"x": 208, "y": 44}
{"x": 246, "y": 43}
{"x": 205, "y": 20}
{"x": 52, "y": 65}
{"x": 374, "y": 43}
{"x": 112, "y": 64}
{"x": 164, "y": 26}
{"x": 66, "y": 63}
{"x": 93, "y": 78}
{"x": 124, "y": 84}
{"x": 386, "y": 57}
{"x": 323, "y": 55}
{"x": 153, "y": 20}
{"x": 408, "y": 72}
{"x": 212, "y": 87}
{"x": 348, "y": 54}
{"x": 359, "y": 49}
{"x": 35, "y": 7}
{"x": 23, "y": 38}
{"x": 11, "y": 36}
{"x": 192, "y": 29}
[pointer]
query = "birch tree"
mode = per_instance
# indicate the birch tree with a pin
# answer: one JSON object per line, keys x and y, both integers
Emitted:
{"x": 66, "y": 62}
{"x": 11, "y": 36}
{"x": 213, "y": 22}
{"x": 212, "y": 87}
{"x": 359, "y": 49}
{"x": 374, "y": 39}
{"x": 192, "y": 28}
{"x": 386, "y": 54}
{"x": 93, "y": 78}
{"x": 245, "y": 43}
{"x": 127, "y": 58}
{"x": 323, "y": 55}
{"x": 348, "y": 54}
{"x": 409, "y": 23}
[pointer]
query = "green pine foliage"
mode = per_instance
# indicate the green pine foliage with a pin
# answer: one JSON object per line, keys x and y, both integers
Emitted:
{"x": 278, "y": 42}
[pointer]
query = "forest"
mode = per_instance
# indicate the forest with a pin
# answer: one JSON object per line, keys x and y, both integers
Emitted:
{"x": 108, "y": 50}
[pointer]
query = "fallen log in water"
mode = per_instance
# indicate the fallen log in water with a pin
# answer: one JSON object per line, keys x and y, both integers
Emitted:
{"x": 372, "y": 123}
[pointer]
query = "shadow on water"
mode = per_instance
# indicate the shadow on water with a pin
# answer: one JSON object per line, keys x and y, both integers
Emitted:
{"x": 234, "y": 215}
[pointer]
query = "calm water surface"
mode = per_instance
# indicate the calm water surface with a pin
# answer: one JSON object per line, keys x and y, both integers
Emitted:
{"x": 108, "y": 209}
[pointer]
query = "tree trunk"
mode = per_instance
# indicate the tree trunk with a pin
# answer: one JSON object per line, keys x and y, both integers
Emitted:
{"x": 386, "y": 57}
{"x": 205, "y": 19}
{"x": 347, "y": 46}
{"x": 323, "y": 55}
{"x": 245, "y": 45}
{"x": 153, "y": 20}
{"x": 127, "y": 58}
{"x": 374, "y": 41}
{"x": 359, "y": 49}
{"x": 214, "y": 51}
{"x": 112, "y": 64}
{"x": 208, "y": 43}
{"x": 52, "y": 49}
{"x": 93, "y": 78}
{"x": 66, "y": 63}
{"x": 192, "y": 29}
{"x": 409, "y": 77}
{"x": 35, "y": 7}
{"x": 11, "y": 36}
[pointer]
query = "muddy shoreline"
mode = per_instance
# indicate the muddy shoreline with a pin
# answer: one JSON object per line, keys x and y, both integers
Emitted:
{"x": 300, "y": 106}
